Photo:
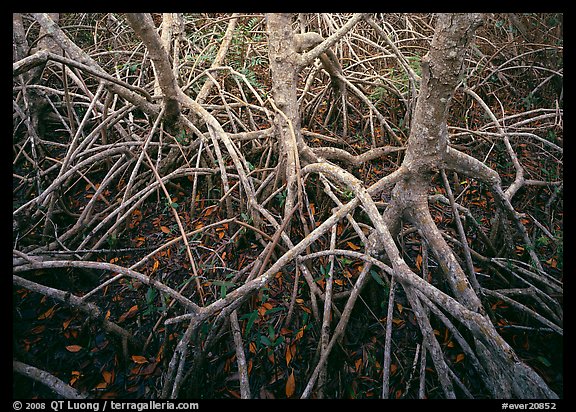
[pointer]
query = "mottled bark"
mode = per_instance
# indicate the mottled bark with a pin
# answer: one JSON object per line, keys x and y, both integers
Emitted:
{"x": 144, "y": 26}
{"x": 284, "y": 67}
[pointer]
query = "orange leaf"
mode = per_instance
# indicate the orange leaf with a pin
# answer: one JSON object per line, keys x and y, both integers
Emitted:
{"x": 108, "y": 377}
{"x": 290, "y": 352}
{"x": 459, "y": 357}
{"x": 419, "y": 262}
{"x": 155, "y": 266}
{"x": 300, "y": 333}
{"x": 352, "y": 246}
{"x": 139, "y": 359}
{"x": 209, "y": 210}
{"x": 164, "y": 229}
{"x": 75, "y": 376}
{"x": 38, "y": 329}
{"x": 312, "y": 209}
{"x": 131, "y": 312}
{"x": 358, "y": 364}
{"x": 48, "y": 314}
{"x": 290, "y": 384}
{"x": 66, "y": 323}
{"x": 73, "y": 348}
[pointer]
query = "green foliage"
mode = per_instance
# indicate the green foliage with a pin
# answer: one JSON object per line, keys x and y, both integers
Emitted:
{"x": 282, "y": 197}
{"x": 245, "y": 35}
{"x": 112, "y": 241}
{"x": 151, "y": 297}
{"x": 272, "y": 339}
{"x": 399, "y": 78}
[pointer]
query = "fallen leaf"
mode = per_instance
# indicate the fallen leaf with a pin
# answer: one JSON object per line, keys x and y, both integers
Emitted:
{"x": 155, "y": 266}
{"x": 300, "y": 333}
{"x": 75, "y": 376}
{"x": 73, "y": 348}
{"x": 290, "y": 385}
{"x": 164, "y": 229}
{"x": 128, "y": 314}
{"x": 419, "y": 262}
{"x": 353, "y": 246}
{"x": 209, "y": 210}
{"x": 358, "y": 364}
{"x": 108, "y": 377}
{"x": 139, "y": 359}
{"x": 459, "y": 357}
{"x": 48, "y": 314}
{"x": 290, "y": 352}
{"x": 312, "y": 209}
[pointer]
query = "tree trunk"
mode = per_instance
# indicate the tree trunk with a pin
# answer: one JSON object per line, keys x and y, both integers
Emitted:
{"x": 282, "y": 48}
{"x": 428, "y": 151}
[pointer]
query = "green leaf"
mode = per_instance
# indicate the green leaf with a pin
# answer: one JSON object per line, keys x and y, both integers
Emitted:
{"x": 544, "y": 361}
{"x": 271, "y": 333}
{"x": 264, "y": 339}
{"x": 252, "y": 316}
{"x": 274, "y": 310}
{"x": 151, "y": 295}
{"x": 223, "y": 287}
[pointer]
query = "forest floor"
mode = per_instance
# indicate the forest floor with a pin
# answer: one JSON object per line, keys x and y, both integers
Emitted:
{"x": 80, "y": 353}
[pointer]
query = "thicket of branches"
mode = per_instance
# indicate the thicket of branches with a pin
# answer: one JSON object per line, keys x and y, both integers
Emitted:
{"x": 189, "y": 221}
